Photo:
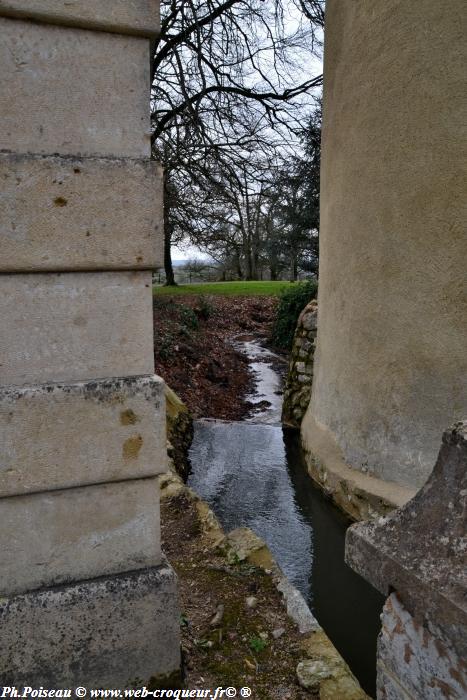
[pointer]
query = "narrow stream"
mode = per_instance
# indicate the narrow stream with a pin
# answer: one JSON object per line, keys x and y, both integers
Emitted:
{"x": 252, "y": 474}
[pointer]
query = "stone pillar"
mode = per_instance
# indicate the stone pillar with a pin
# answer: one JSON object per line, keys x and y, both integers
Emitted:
{"x": 417, "y": 558}
{"x": 86, "y": 596}
{"x": 390, "y": 365}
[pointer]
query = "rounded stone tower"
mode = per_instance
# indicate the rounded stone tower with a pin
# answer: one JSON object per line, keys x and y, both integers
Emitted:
{"x": 391, "y": 359}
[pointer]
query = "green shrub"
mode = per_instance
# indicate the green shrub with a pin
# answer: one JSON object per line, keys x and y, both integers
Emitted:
{"x": 166, "y": 346}
{"x": 257, "y": 644}
{"x": 188, "y": 318}
{"x": 204, "y": 309}
{"x": 291, "y": 303}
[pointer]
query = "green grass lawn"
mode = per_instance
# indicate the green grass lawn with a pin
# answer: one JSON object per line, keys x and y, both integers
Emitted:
{"x": 231, "y": 289}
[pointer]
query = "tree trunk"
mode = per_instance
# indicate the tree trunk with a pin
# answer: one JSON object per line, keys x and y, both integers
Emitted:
{"x": 294, "y": 269}
{"x": 238, "y": 265}
{"x": 248, "y": 262}
{"x": 255, "y": 264}
{"x": 168, "y": 267}
{"x": 249, "y": 271}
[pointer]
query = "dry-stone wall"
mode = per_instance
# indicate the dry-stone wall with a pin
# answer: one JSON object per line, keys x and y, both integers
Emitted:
{"x": 300, "y": 374}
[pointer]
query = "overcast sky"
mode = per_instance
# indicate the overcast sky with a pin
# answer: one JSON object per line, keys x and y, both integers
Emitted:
{"x": 187, "y": 252}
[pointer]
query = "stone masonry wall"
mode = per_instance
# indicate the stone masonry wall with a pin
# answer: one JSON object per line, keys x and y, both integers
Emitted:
{"x": 299, "y": 379}
{"x": 416, "y": 558}
{"x": 414, "y": 662}
{"x": 86, "y": 595}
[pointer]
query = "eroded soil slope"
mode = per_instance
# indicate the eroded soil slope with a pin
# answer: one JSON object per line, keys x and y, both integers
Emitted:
{"x": 194, "y": 352}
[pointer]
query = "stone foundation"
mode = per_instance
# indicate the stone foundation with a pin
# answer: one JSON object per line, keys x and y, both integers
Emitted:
{"x": 361, "y": 495}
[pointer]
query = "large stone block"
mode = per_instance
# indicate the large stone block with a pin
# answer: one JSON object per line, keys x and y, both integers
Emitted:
{"x": 56, "y": 436}
{"x": 54, "y": 100}
{"x": 107, "y": 633}
{"x": 74, "y": 326}
{"x": 79, "y": 214}
{"x": 56, "y": 537}
{"x": 139, "y": 17}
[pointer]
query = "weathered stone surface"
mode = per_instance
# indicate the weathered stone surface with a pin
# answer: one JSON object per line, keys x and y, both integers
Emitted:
{"x": 49, "y": 77}
{"x": 389, "y": 687}
{"x": 112, "y": 632}
{"x": 242, "y": 544}
{"x": 74, "y": 326}
{"x": 139, "y": 17}
{"x": 79, "y": 214}
{"x": 311, "y": 673}
{"x": 361, "y": 495}
{"x": 326, "y": 670}
{"x": 56, "y": 436}
{"x": 309, "y": 320}
{"x": 61, "y": 536}
{"x": 297, "y": 607}
{"x": 420, "y": 550}
{"x": 304, "y": 379}
{"x": 414, "y": 661}
{"x": 179, "y": 432}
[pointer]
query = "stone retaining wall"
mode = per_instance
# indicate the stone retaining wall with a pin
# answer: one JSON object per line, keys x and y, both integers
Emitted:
{"x": 299, "y": 380}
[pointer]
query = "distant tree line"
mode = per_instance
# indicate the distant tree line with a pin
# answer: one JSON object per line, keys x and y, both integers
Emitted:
{"x": 236, "y": 124}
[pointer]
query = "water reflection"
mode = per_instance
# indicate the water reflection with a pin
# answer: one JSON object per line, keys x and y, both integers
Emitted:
{"x": 253, "y": 475}
{"x": 345, "y": 605}
{"x": 239, "y": 469}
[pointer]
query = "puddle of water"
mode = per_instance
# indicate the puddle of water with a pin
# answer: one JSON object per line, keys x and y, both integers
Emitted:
{"x": 252, "y": 474}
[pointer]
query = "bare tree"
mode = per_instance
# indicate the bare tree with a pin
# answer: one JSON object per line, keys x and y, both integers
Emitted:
{"x": 228, "y": 78}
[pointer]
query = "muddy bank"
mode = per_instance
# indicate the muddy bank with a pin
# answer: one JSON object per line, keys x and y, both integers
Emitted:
{"x": 195, "y": 352}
